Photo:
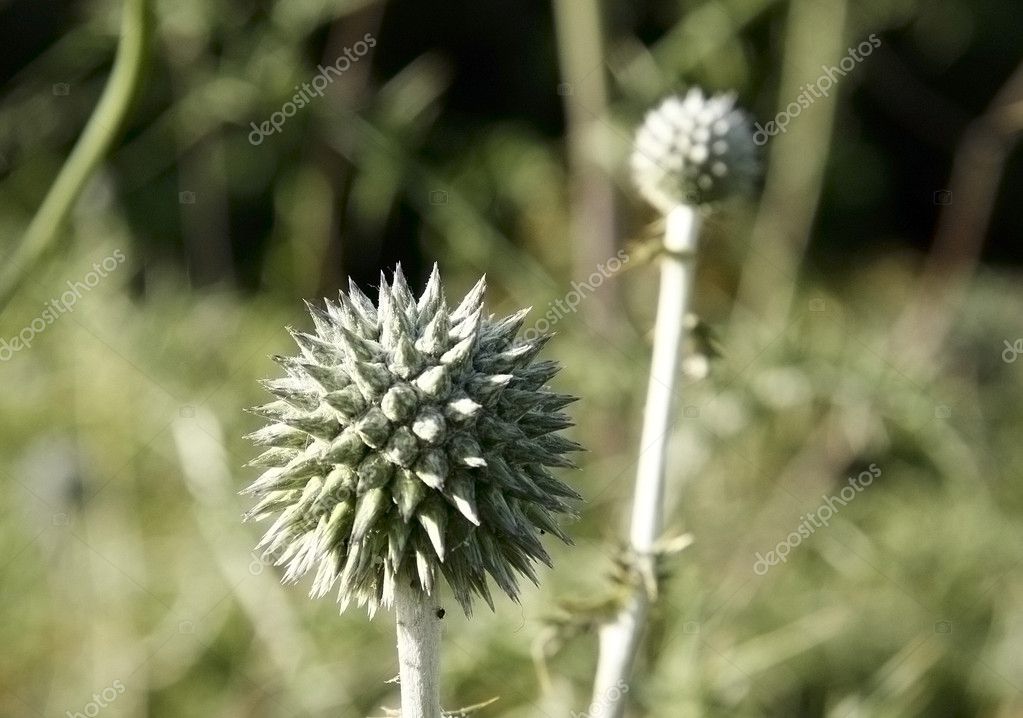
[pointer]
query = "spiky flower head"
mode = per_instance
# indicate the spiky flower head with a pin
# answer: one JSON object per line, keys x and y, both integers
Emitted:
{"x": 410, "y": 441}
{"x": 693, "y": 150}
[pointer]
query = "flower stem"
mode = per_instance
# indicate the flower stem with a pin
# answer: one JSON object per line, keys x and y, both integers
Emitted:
{"x": 97, "y": 137}
{"x": 418, "y": 652}
{"x": 619, "y": 639}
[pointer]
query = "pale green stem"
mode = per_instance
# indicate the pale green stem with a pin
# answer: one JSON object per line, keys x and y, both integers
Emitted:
{"x": 418, "y": 627}
{"x": 620, "y": 638}
{"x": 93, "y": 145}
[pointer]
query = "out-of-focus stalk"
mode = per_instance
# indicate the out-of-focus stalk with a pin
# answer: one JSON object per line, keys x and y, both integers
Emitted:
{"x": 91, "y": 148}
{"x": 619, "y": 640}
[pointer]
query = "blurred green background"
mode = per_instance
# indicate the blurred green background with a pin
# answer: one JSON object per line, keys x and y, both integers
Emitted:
{"x": 865, "y": 310}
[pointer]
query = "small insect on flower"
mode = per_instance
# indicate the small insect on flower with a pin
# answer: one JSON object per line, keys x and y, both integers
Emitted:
{"x": 408, "y": 441}
{"x": 694, "y": 150}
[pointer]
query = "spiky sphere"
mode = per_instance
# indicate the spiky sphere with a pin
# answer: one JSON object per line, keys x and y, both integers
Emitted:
{"x": 410, "y": 441}
{"x": 693, "y": 150}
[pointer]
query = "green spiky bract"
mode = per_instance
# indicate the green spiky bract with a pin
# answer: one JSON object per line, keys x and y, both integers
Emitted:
{"x": 410, "y": 441}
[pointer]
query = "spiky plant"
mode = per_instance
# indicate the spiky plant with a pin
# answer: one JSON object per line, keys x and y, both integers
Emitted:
{"x": 410, "y": 441}
{"x": 689, "y": 154}
{"x": 694, "y": 150}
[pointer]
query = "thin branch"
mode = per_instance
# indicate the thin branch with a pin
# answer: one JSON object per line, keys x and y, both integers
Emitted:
{"x": 43, "y": 231}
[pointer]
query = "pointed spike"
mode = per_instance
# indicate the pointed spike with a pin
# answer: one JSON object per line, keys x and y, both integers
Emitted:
{"x": 372, "y": 378}
{"x": 339, "y": 525}
{"x": 402, "y": 448}
{"x": 329, "y": 378}
{"x": 465, "y": 451}
{"x": 323, "y": 322}
{"x": 472, "y": 301}
{"x": 459, "y": 356}
{"x": 374, "y": 473}
{"x": 274, "y": 456}
{"x": 400, "y": 291}
{"x": 371, "y": 506}
{"x": 462, "y": 409}
{"x": 399, "y": 403}
{"x": 347, "y": 402}
{"x": 432, "y": 468}
{"x": 432, "y": 296}
{"x": 357, "y": 348}
{"x": 432, "y": 516}
{"x": 296, "y": 392}
{"x": 406, "y": 361}
{"x": 434, "y": 338}
{"x": 497, "y": 510}
{"x": 503, "y": 332}
{"x": 430, "y": 426}
{"x": 461, "y": 491}
{"x": 348, "y": 448}
{"x": 374, "y": 428}
{"x": 467, "y": 328}
{"x": 435, "y": 382}
{"x": 280, "y": 435}
{"x": 424, "y": 568}
{"x": 315, "y": 349}
{"x": 397, "y": 537}
{"x": 363, "y": 308}
{"x": 487, "y": 389}
{"x": 291, "y": 365}
{"x": 383, "y": 300}
{"x": 408, "y": 491}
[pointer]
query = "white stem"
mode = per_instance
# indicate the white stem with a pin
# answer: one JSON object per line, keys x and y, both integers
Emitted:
{"x": 418, "y": 651}
{"x": 619, "y": 639}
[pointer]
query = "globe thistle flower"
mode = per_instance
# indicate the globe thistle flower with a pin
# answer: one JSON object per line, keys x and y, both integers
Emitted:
{"x": 690, "y": 152}
{"x": 693, "y": 150}
{"x": 411, "y": 441}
